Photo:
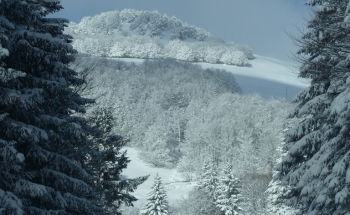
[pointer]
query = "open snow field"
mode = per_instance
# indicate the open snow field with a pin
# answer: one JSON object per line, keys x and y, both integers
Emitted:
{"x": 172, "y": 180}
{"x": 267, "y": 77}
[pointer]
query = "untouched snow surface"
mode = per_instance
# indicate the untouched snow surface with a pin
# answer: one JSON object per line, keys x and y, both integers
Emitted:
{"x": 266, "y": 76}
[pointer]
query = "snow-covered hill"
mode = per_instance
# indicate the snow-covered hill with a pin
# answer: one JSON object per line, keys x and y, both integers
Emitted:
{"x": 151, "y": 35}
{"x": 133, "y": 22}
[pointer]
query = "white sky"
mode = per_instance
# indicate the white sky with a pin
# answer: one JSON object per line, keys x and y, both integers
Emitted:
{"x": 261, "y": 24}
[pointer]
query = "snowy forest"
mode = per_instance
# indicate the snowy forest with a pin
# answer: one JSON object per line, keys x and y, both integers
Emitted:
{"x": 151, "y": 35}
{"x": 71, "y": 105}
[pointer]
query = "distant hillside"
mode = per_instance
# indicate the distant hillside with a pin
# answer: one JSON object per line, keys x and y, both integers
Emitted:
{"x": 151, "y": 35}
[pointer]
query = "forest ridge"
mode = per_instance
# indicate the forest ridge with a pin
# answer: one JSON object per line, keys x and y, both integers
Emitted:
{"x": 151, "y": 35}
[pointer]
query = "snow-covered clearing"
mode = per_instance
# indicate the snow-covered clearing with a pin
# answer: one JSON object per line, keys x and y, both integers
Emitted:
{"x": 173, "y": 182}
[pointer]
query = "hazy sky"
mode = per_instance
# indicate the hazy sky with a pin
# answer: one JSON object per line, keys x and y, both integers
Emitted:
{"x": 261, "y": 24}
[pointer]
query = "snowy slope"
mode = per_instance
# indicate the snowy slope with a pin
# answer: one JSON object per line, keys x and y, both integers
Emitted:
{"x": 268, "y": 77}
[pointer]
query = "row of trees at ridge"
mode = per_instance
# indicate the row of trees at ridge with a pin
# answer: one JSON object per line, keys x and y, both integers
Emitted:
{"x": 148, "y": 23}
{"x": 114, "y": 34}
{"x": 51, "y": 159}
{"x": 118, "y": 46}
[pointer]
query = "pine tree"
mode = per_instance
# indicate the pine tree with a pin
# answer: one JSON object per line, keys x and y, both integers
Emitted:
{"x": 10, "y": 158}
{"x": 110, "y": 162}
{"x": 43, "y": 147}
{"x": 209, "y": 179}
{"x": 228, "y": 192}
{"x": 315, "y": 168}
{"x": 157, "y": 203}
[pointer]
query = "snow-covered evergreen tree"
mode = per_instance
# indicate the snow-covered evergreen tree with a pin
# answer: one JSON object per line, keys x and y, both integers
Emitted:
{"x": 109, "y": 162}
{"x": 315, "y": 171}
{"x": 43, "y": 148}
{"x": 10, "y": 158}
{"x": 157, "y": 203}
{"x": 228, "y": 192}
{"x": 209, "y": 178}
